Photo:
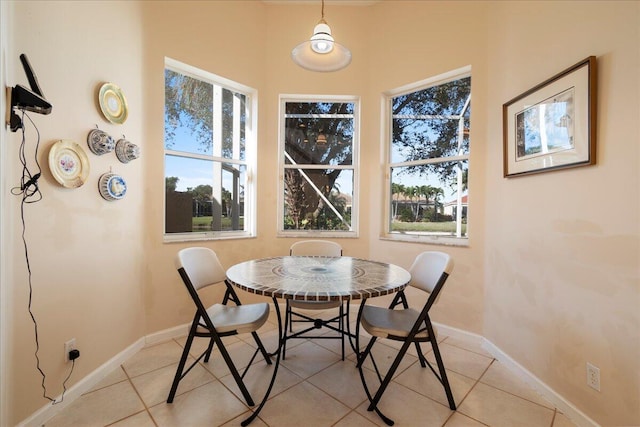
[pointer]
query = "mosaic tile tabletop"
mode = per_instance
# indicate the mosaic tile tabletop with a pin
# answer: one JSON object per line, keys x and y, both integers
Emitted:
{"x": 317, "y": 278}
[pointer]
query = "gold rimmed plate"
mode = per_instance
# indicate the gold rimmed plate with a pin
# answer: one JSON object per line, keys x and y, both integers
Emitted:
{"x": 68, "y": 163}
{"x": 113, "y": 103}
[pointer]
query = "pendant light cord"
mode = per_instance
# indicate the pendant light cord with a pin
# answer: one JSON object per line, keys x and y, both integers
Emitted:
{"x": 322, "y": 21}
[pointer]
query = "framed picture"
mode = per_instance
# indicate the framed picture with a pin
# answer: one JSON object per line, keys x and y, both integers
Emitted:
{"x": 553, "y": 125}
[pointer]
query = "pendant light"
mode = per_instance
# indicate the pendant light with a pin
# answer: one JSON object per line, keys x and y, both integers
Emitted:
{"x": 321, "y": 52}
{"x": 321, "y": 138}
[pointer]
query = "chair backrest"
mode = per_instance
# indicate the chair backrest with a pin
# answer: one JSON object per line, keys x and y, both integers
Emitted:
{"x": 316, "y": 248}
{"x": 201, "y": 265}
{"x": 429, "y": 272}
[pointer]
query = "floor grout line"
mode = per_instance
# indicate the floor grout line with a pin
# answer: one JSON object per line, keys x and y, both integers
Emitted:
{"x": 352, "y": 411}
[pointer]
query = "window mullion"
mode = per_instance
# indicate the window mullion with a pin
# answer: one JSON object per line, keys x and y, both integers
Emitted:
{"x": 459, "y": 200}
{"x": 236, "y": 126}
{"x": 424, "y": 117}
{"x": 317, "y": 167}
{"x": 235, "y": 189}
{"x": 216, "y": 193}
{"x": 461, "y": 125}
{"x": 318, "y": 116}
{"x": 431, "y": 161}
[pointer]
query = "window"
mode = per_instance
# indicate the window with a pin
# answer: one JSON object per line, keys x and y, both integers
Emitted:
{"x": 319, "y": 146}
{"x": 428, "y": 159}
{"x": 209, "y": 145}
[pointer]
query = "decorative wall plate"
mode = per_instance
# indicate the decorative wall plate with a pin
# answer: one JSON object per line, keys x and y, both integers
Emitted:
{"x": 68, "y": 163}
{"x": 126, "y": 151}
{"x": 112, "y": 186}
{"x": 100, "y": 142}
{"x": 113, "y": 103}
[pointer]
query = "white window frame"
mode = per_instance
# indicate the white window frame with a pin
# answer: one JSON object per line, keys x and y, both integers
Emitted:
{"x": 251, "y": 132}
{"x": 387, "y": 136}
{"x": 355, "y": 166}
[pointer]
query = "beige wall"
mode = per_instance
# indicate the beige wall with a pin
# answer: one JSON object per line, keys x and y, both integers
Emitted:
{"x": 561, "y": 256}
{"x": 86, "y": 254}
{"x": 421, "y": 40}
{"x": 550, "y": 276}
{"x": 5, "y": 292}
{"x": 227, "y": 39}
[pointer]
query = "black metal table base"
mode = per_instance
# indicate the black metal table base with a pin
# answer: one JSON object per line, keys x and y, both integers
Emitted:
{"x": 354, "y": 346}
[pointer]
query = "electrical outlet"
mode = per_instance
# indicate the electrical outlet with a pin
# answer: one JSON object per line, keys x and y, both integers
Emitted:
{"x": 68, "y": 346}
{"x": 593, "y": 376}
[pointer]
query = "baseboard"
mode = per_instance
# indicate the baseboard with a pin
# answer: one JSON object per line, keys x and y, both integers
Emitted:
{"x": 88, "y": 382}
{"x": 167, "y": 334}
{"x": 567, "y": 408}
{"x": 78, "y": 389}
{"x": 452, "y": 332}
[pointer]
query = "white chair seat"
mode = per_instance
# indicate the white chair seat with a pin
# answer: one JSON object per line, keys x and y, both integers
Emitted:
{"x": 199, "y": 268}
{"x": 429, "y": 272}
{"x": 314, "y": 305}
{"x": 382, "y": 322}
{"x": 242, "y": 318}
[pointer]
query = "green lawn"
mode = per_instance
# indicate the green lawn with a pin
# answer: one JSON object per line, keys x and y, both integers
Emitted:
{"x": 204, "y": 223}
{"x": 427, "y": 227}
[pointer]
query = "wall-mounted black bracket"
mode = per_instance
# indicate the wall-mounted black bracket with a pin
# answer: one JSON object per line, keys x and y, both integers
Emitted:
{"x": 21, "y": 98}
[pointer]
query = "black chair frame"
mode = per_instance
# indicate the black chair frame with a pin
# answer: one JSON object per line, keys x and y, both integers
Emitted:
{"x": 423, "y": 323}
{"x": 202, "y": 319}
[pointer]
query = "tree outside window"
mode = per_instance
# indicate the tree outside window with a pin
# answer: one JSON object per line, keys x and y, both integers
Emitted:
{"x": 319, "y": 145}
{"x": 207, "y": 145}
{"x": 428, "y": 158}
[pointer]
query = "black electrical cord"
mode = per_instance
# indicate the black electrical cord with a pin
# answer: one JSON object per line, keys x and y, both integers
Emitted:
{"x": 30, "y": 193}
{"x": 28, "y": 182}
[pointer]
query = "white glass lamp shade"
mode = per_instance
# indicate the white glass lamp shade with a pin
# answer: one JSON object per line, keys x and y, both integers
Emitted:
{"x": 321, "y": 41}
{"x": 321, "y": 52}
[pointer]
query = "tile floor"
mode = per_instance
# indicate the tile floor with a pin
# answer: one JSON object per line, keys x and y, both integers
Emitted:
{"x": 314, "y": 388}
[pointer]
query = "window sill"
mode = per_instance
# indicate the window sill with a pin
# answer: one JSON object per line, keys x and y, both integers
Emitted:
{"x": 199, "y": 237}
{"x": 318, "y": 234}
{"x": 431, "y": 239}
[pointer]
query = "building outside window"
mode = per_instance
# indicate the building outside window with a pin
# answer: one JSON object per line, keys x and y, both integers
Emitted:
{"x": 318, "y": 164}
{"x": 428, "y": 159}
{"x": 209, "y": 146}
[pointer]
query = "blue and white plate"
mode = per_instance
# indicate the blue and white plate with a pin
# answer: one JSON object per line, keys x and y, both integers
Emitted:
{"x": 112, "y": 186}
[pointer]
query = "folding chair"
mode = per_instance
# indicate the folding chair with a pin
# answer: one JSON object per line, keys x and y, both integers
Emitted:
{"x": 200, "y": 268}
{"x": 336, "y": 323}
{"x": 429, "y": 272}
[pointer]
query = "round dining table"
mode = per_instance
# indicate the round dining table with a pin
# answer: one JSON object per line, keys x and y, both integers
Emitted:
{"x": 314, "y": 278}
